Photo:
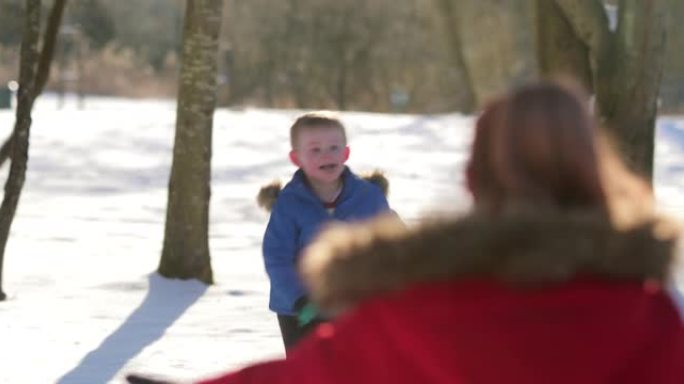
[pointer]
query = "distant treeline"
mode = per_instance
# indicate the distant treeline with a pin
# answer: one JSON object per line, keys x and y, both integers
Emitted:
{"x": 376, "y": 55}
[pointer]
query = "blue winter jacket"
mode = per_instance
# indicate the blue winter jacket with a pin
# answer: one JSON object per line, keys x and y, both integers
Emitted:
{"x": 296, "y": 217}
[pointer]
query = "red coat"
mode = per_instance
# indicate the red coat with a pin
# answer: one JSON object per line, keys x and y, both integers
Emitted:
{"x": 562, "y": 300}
{"x": 480, "y": 333}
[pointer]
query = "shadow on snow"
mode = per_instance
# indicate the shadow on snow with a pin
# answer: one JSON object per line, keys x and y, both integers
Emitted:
{"x": 166, "y": 301}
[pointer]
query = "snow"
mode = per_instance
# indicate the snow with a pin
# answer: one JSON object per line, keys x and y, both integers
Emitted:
{"x": 85, "y": 305}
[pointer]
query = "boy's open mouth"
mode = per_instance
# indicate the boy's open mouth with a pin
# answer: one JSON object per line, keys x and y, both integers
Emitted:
{"x": 327, "y": 167}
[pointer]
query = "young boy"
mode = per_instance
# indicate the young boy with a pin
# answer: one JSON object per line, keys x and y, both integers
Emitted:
{"x": 323, "y": 189}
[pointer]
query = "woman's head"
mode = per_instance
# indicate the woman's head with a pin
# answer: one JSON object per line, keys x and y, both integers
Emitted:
{"x": 537, "y": 145}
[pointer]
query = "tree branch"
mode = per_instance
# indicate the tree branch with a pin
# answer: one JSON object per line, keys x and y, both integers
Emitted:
{"x": 49, "y": 42}
{"x": 43, "y": 70}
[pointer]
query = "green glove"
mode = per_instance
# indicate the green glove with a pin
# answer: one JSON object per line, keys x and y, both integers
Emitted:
{"x": 306, "y": 311}
{"x": 307, "y": 314}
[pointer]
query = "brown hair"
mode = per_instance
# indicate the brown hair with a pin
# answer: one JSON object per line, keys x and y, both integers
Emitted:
{"x": 538, "y": 145}
{"x": 315, "y": 120}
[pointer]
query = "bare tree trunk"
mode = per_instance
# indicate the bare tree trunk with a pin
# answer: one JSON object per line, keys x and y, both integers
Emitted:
{"x": 672, "y": 87}
{"x": 628, "y": 66}
{"x": 26, "y": 97}
{"x": 185, "y": 252}
{"x": 294, "y": 61}
{"x": 561, "y": 53}
{"x": 497, "y": 43}
{"x": 49, "y": 42}
{"x": 629, "y": 103}
{"x": 452, "y": 29}
{"x": 43, "y": 72}
{"x": 623, "y": 67}
{"x": 590, "y": 24}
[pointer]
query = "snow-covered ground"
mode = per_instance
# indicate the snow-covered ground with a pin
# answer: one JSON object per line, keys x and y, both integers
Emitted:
{"x": 85, "y": 305}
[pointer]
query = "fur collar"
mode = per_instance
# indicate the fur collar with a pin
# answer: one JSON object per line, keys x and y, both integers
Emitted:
{"x": 350, "y": 263}
{"x": 269, "y": 193}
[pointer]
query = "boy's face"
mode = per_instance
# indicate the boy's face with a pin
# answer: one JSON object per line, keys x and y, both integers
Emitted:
{"x": 321, "y": 153}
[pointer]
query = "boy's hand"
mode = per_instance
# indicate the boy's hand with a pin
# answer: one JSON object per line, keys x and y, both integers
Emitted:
{"x": 306, "y": 311}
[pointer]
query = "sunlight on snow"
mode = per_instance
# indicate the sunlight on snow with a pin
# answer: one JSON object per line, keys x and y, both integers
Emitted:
{"x": 84, "y": 305}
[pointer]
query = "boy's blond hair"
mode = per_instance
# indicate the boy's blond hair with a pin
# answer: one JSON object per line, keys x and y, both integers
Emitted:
{"x": 314, "y": 120}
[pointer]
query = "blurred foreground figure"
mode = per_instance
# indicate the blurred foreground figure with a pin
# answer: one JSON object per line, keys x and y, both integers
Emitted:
{"x": 558, "y": 275}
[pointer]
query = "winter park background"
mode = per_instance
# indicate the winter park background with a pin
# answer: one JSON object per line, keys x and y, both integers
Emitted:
{"x": 84, "y": 304}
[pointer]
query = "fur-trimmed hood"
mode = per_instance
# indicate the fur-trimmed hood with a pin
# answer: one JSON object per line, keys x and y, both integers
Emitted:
{"x": 350, "y": 263}
{"x": 269, "y": 193}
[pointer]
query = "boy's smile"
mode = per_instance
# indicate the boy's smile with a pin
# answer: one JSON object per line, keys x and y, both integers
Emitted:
{"x": 321, "y": 153}
{"x": 328, "y": 167}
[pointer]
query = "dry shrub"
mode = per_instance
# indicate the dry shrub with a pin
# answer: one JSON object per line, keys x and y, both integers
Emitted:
{"x": 118, "y": 72}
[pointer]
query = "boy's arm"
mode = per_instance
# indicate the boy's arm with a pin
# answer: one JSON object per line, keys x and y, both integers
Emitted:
{"x": 280, "y": 252}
